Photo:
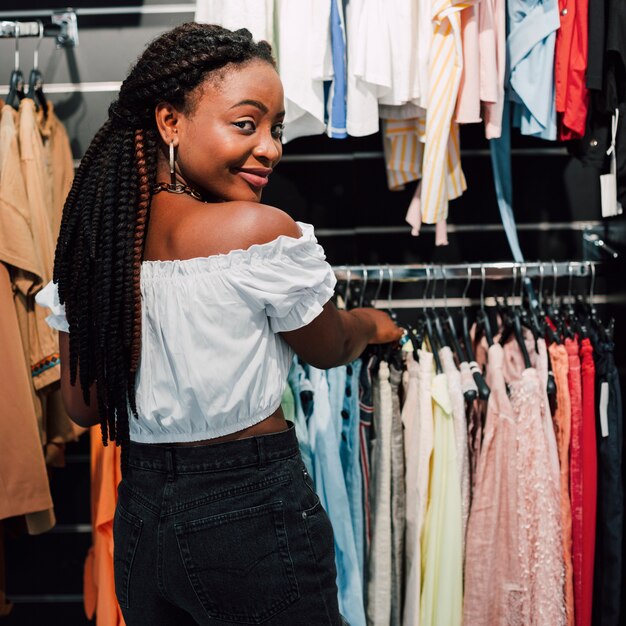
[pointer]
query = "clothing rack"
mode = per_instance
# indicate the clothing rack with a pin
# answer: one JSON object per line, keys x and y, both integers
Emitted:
{"x": 62, "y": 26}
{"x": 436, "y": 296}
{"x": 486, "y": 271}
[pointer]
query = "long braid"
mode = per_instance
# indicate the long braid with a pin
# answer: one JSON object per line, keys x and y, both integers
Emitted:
{"x": 107, "y": 211}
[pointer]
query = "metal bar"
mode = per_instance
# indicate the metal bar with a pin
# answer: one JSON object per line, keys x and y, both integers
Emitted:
{"x": 457, "y": 228}
{"x": 457, "y": 303}
{"x": 127, "y": 10}
{"x": 492, "y": 271}
{"x": 465, "y": 152}
{"x": 63, "y": 27}
{"x": 93, "y": 87}
{"x": 51, "y": 598}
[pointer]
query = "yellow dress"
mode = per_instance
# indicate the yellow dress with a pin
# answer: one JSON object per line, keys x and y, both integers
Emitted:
{"x": 442, "y": 552}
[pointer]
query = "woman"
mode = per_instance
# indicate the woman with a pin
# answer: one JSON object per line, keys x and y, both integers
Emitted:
{"x": 184, "y": 301}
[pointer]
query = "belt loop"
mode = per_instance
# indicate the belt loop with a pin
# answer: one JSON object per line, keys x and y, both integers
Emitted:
{"x": 169, "y": 462}
{"x": 260, "y": 442}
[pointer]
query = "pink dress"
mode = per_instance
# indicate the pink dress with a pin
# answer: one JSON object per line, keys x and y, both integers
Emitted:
{"x": 514, "y": 570}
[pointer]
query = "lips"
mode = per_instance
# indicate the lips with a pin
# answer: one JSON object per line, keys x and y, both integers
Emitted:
{"x": 256, "y": 177}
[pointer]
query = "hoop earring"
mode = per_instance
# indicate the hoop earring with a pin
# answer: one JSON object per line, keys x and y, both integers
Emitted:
{"x": 172, "y": 165}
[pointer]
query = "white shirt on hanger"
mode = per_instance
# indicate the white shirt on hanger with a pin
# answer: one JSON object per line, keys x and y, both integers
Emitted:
{"x": 305, "y": 62}
{"x": 255, "y": 15}
{"x": 369, "y": 65}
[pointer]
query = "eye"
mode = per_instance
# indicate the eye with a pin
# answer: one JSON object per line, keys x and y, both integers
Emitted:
{"x": 245, "y": 125}
{"x": 277, "y": 131}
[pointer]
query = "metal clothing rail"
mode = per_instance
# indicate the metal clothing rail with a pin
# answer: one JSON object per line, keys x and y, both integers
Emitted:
{"x": 156, "y": 9}
{"x": 62, "y": 26}
{"x": 472, "y": 271}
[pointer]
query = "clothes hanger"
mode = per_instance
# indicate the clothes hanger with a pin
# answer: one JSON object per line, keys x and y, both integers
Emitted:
{"x": 477, "y": 375}
{"x": 35, "y": 80}
{"x": 512, "y": 324}
{"x": 448, "y": 321}
{"x": 553, "y": 309}
{"x": 431, "y": 332}
{"x": 545, "y": 329}
{"x": 392, "y": 355}
{"x": 362, "y": 300}
{"x": 438, "y": 329}
{"x": 16, "y": 81}
{"x": 483, "y": 325}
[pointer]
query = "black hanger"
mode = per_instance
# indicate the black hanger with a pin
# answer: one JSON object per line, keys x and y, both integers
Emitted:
{"x": 424, "y": 326}
{"x": 16, "y": 81}
{"x": 483, "y": 325}
{"x": 35, "y": 80}
{"x": 390, "y": 347}
{"x": 435, "y": 319}
{"x": 512, "y": 324}
{"x": 481, "y": 384}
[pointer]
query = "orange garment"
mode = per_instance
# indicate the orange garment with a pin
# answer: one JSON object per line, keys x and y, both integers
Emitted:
{"x": 25, "y": 489}
{"x": 562, "y": 428}
{"x": 43, "y": 157}
{"x": 570, "y": 67}
{"x": 99, "y": 584}
{"x": 59, "y": 164}
{"x": 24, "y": 484}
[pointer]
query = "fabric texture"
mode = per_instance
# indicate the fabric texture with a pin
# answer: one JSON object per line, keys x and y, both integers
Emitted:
{"x": 418, "y": 477}
{"x": 410, "y": 423}
{"x": 589, "y": 478}
{"x": 185, "y": 389}
{"x": 610, "y": 517}
{"x": 100, "y": 600}
{"x": 576, "y": 469}
{"x": 195, "y": 525}
{"x": 570, "y": 66}
{"x": 562, "y": 428}
{"x": 379, "y": 584}
{"x": 442, "y": 551}
{"x": 514, "y": 559}
{"x": 398, "y": 499}
{"x": 457, "y": 402}
{"x": 324, "y": 437}
{"x": 532, "y": 30}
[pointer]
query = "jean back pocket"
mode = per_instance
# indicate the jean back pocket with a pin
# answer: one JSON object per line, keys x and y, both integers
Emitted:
{"x": 239, "y": 563}
{"x": 126, "y": 533}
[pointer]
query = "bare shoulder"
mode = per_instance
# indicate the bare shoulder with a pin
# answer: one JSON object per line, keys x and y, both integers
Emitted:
{"x": 230, "y": 226}
{"x": 262, "y": 222}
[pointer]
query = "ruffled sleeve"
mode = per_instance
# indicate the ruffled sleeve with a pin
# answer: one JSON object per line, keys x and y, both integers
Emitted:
{"x": 49, "y": 297}
{"x": 290, "y": 279}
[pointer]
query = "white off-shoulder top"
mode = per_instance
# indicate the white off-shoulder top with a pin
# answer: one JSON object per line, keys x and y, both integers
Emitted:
{"x": 212, "y": 361}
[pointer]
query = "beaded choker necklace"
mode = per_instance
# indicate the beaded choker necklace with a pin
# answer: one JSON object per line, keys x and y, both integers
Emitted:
{"x": 177, "y": 188}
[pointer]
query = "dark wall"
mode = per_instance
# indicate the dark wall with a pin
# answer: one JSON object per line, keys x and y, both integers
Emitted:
{"x": 341, "y": 190}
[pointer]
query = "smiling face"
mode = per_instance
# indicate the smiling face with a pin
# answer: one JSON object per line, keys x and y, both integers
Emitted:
{"x": 230, "y": 139}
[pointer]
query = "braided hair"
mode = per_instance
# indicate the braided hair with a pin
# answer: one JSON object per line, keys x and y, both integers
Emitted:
{"x": 101, "y": 240}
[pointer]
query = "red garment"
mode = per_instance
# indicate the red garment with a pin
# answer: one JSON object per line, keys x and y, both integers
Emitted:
{"x": 575, "y": 474}
{"x": 570, "y": 67}
{"x": 590, "y": 477}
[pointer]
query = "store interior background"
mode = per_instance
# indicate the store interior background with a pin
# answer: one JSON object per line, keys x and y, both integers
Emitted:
{"x": 340, "y": 187}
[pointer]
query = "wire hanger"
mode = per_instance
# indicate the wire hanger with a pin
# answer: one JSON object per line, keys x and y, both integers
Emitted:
{"x": 362, "y": 300}
{"x": 35, "y": 80}
{"x": 16, "y": 81}
{"x": 482, "y": 318}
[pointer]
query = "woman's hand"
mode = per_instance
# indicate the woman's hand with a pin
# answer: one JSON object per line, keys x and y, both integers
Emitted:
{"x": 386, "y": 330}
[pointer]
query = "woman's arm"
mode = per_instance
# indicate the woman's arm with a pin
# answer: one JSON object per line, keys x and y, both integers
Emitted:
{"x": 72, "y": 395}
{"x": 337, "y": 337}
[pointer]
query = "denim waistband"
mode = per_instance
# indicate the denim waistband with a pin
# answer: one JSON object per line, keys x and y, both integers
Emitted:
{"x": 250, "y": 451}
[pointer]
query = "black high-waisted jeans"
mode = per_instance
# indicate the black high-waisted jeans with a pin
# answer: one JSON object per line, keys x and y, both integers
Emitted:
{"x": 227, "y": 533}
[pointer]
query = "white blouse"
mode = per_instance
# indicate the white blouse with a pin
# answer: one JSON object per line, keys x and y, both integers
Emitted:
{"x": 212, "y": 362}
